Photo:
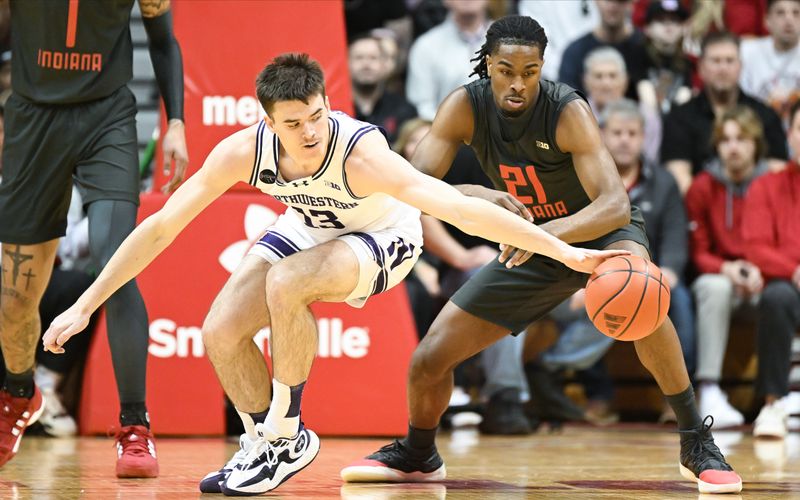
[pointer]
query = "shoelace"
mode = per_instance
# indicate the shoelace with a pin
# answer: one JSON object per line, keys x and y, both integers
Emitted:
{"x": 261, "y": 445}
{"x": 704, "y": 443}
{"x": 137, "y": 446}
{"x": 238, "y": 458}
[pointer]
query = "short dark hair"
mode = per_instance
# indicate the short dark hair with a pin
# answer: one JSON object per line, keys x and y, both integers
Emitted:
{"x": 509, "y": 30}
{"x": 715, "y": 38}
{"x": 289, "y": 77}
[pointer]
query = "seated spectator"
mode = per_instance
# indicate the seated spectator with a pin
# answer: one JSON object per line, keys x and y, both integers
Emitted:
{"x": 686, "y": 144}
{"x": 439, "y": 60}
{"x": 771, "y": 65}
{"x": 606, "y": 78}
{"x": 668, "y": 70}
{"x": 563, "y": 22}
{"x": 369, "y": 69}
{"x": 655, "y": 192}
{"x": 614, "y": 30}
{"x": 728, "y": 280}
{"x": 772, "y": 242}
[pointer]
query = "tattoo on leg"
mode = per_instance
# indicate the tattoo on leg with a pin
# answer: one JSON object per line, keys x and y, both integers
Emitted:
{"x": 17, "y": 258}
{"x": 28, "y": 275}
{"x": 10, "y": 292}
{"x": 20, "y": 346}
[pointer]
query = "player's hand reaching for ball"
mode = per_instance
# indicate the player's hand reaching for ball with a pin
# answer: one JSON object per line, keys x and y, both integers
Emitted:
{"x": 585, "y": 260}
{"x": 67, "y": 324}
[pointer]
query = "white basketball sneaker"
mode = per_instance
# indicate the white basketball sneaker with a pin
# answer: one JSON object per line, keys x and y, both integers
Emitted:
{"x": 714, "y": 402}
{"x": 270, "y": 463}
{"x": 212, "y": 483}
{"x": 772, "y": 421}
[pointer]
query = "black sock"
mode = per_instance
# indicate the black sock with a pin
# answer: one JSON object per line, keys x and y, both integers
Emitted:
{"x": 20, "y": 385}
{"x": 420, "y": 439}
{"x": 685, "y": 409}
{"x": 296, "y": 392}
{"x": 134, "y": 414}
{"x": 259, "y": 416}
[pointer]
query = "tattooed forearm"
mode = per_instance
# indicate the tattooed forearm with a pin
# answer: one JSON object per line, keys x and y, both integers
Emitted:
{"x": 153, "y": 8}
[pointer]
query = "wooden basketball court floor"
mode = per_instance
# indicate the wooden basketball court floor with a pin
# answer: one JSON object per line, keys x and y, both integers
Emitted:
{"x": 629, "y": 463}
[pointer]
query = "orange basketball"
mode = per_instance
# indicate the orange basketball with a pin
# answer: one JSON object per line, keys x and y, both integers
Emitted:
{"x": 627, "y": 297}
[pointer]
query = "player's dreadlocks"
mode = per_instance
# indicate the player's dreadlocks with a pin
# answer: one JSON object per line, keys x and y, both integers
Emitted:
{"x": 509, "y": 30}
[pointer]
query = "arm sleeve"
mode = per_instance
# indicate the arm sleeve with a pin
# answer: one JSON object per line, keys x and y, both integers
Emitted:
{"x": 674, "y": 249}
{"x": 700, "y": 236}
{"x": 760, "y": 234}
{"x": 167, "y": 62}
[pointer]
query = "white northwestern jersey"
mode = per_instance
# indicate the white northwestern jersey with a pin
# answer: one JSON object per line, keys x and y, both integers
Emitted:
{"x": 323, "y": 202}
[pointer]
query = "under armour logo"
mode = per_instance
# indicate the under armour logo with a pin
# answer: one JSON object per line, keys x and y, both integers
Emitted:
{"x": 267, "y": 176}
{"x": 299, "y": 183}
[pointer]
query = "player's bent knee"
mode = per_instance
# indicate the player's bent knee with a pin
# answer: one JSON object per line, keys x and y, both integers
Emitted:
{"x": 16, "y": 307}
{"x": 284, "y": 287}
{"x": 426, "y": 364}
{"x": 217, "y": 338}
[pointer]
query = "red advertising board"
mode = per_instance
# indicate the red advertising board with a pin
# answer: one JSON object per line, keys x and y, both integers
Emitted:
{"x": 226, "y": 44}
{"x": 357, "y": 384}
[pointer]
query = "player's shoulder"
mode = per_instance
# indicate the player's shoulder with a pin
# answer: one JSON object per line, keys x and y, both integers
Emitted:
{"x": 237, "y": 152}
{"x": 455, "y": 116}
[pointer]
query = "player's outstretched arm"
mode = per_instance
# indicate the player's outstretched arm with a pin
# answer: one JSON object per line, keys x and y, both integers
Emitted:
{"x": 229, "y": 162}
{"x": 373, "y": 167}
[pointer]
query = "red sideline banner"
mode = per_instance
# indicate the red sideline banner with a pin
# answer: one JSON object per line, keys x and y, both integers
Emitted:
{"x": 358, "y": 382}
{"x": 226, "y": 44}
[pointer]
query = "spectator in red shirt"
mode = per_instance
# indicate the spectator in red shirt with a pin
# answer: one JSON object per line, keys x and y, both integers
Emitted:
{"x": 715, "y": 207}
{"x": 771, "y": 230}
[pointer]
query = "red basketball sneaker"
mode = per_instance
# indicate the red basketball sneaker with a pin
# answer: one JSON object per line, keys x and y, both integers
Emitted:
{"x": 136, "y": 452}
{"x": 15, "y": 415}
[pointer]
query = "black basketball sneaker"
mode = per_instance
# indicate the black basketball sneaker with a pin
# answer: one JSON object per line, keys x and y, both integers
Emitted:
{"x": 703, "y": 463}
{"x": 397, "y": 463}
{"x": 212, "y": 483}
{"x": 270, "y": 463}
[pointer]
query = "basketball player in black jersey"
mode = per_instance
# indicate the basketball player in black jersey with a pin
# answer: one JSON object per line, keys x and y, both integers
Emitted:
{"x": 540, "y": 145}
{"x": 72, "y": 116}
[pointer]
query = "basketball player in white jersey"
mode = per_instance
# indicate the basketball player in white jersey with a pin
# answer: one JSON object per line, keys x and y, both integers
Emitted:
{"x": 350, "y": 232}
